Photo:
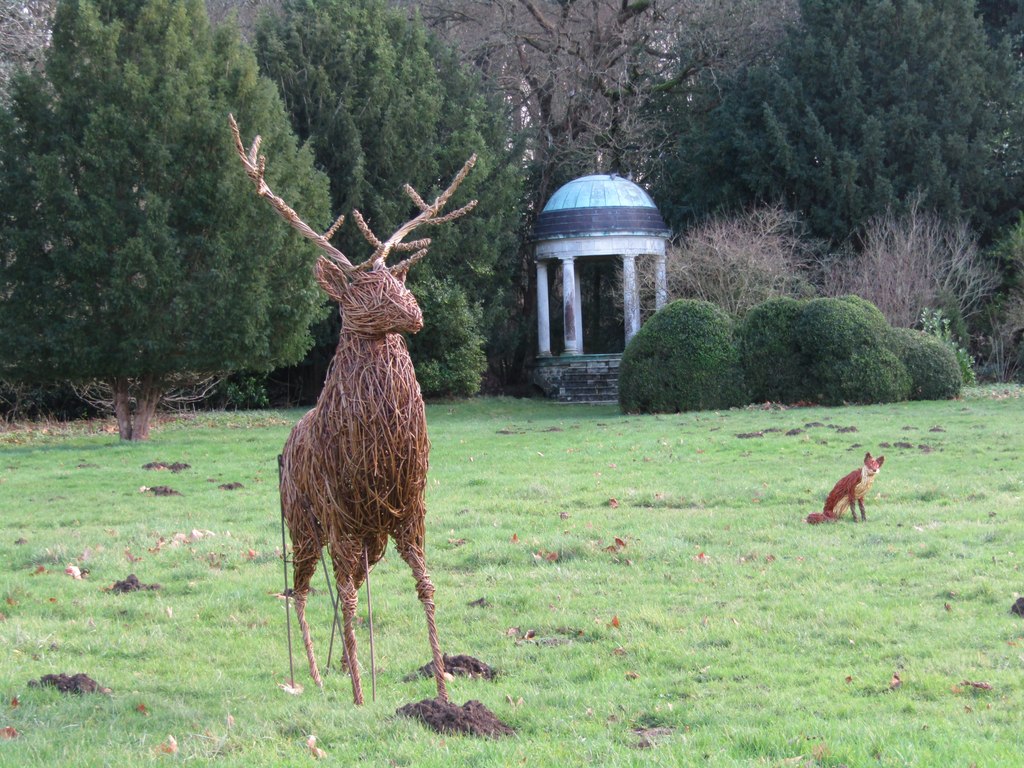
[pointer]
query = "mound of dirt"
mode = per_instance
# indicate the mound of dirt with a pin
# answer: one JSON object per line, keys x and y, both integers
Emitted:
{"x": 462, "y": 666}
{"x": 230, "y": 486}
{"x": 78, "y": 683}
{"x": 176, "y": 467}
{"x": 472, "y": 718}
{"x": 1018, "y": 607}
{"x": 163, "y": 490}
{"x": 131, "y": 584}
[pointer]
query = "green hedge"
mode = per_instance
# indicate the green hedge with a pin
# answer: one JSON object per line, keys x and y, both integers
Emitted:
{"x": 682, "y": 359}
{"x": 769, "y": 352}
{"x": 845, "y": 358}
{"x": 935, "y": 372}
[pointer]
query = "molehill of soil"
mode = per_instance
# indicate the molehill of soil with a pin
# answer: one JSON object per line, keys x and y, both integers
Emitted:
{"x": 460, "y": 665}
{"x": 1018, "y": 607}
{"x": 78, "y": 683}
{"x": 472, "y": 718}
{"x": 176, "y": 467}
{"x": 131, "y": 584}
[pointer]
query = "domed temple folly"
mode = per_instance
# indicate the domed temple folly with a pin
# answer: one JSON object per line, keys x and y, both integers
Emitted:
{"x": 587, "y": 223}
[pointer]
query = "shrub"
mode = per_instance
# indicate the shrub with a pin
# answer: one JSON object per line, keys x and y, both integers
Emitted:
{"x": 682, "y": 359}
{"x": 935, "y": 373}
{"x": 842, "y": 342}
{"x": 769, "y": 353}
{"x": 935, "y": 323}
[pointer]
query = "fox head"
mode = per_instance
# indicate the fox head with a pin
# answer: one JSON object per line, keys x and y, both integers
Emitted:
{"x": 871, "y": 464}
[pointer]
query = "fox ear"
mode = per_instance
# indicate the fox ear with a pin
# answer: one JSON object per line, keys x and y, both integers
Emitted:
{"x": 881, "y": 460}
{"x": 867, "y": 457}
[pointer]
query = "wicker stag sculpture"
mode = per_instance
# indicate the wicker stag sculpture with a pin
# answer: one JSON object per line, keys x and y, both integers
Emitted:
{"x": 354, "y": 468}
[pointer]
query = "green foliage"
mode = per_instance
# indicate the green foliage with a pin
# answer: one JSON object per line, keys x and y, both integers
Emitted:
{"x": 770, "y": 352}
{"x": 382, "y": 105}
{"x": 937, "y": 325}
{"x": 868, "y": 103}
{"x": 447, "y": 351}
{"x": 843, "y": 345}
{"x": 246, "y": 391}
{"x": 682, "y": 359}
{"x": 133, "y": 244}
{"x": 934, "y": 370}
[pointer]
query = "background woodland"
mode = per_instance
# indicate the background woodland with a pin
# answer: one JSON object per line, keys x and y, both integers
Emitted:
{"x": 796, "y": 147}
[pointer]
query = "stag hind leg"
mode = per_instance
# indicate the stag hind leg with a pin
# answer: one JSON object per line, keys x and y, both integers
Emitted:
{"x": 410, "y": 547}
{"x": 307, "y": 543}
{"x": 348, "y": 567}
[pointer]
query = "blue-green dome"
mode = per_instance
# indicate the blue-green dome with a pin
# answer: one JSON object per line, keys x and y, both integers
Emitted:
{"x": 592, "y": 206}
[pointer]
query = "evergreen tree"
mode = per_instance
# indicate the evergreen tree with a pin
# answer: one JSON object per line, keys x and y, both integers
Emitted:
{"x": 132, "y": 249}
{"x": 382, "y": 105}
{"x": 867, "y": 103}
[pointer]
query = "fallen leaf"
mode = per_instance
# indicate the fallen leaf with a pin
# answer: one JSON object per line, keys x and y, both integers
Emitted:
{"x": 515, "y": 704}
{"x": 142, "y": 710}
{"x": 515, "y": 538}
{"x": 251, "y": 554}
{"x": 613, "y": 503}
{"x": 293, "y": 689}
{"x": 169, "y": 747}
{"x": 39, "y": 569}
{"x": 631, "y": 675}
{"x": 8, "y": 732}
{"x": 614, "y": 622}
{"x": 620, "y": 651}
{"x": 314, "y": 750}
{"x": 74, "y": 572}
{"x": 701, "y": 557}
{"x": 849, "y": 679}
{"x": 231, "y": 721}
{"x": 15, "y": 703}
{"x": 895, "y": 682}
{"x": 170, "y": 612}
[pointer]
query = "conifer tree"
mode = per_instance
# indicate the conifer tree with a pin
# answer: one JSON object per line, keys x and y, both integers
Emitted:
{"x": 131, "y": 251}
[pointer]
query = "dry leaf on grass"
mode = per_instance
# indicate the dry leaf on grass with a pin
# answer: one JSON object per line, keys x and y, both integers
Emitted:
{"x": 314, "y": 750}
{"x": 169, "y": 747}
{"x": 292, "y": 688}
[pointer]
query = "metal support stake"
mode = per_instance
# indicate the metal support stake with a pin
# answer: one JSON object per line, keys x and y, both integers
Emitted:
{"x": 284, "y": 562}
{"x": 369, "y": 621}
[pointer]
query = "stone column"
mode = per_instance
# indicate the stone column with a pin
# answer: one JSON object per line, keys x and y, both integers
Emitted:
{"x": 543, "y": 319}
{"x": 570, "y": 307}
{"x": 660, "y": 283}
{"x": 630, "y": 296}
{"x": 579, "y": 311}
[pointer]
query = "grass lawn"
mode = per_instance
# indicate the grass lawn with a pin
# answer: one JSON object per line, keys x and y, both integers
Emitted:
{"x": 645, "y": 586}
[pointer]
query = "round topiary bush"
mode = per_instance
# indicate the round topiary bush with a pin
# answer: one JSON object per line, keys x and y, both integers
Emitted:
{"x": 769, "y": 353}
{"x": 682, "y": 359}
{"x": 846, "y": 360}
{"x": 935, "y": 372}
{"x": 875, "y": 376}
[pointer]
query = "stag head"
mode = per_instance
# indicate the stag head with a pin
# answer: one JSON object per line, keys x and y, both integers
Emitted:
{"x": 372, "y": 295}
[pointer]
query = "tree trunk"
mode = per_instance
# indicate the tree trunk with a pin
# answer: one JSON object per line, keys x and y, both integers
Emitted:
{"x": 135, "y": 403}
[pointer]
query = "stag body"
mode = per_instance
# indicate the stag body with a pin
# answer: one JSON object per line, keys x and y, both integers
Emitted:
{"x": 354, "y": 469}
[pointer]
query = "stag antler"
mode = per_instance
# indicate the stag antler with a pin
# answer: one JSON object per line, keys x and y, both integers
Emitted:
{"x": 428, "y": 215}
{"x": 255, "y": 165}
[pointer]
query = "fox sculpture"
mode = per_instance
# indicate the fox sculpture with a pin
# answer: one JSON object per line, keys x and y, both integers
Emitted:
{"x": 852, "y": 488}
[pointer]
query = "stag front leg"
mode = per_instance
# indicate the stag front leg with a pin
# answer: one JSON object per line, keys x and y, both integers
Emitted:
{"x": 410, "y": 547}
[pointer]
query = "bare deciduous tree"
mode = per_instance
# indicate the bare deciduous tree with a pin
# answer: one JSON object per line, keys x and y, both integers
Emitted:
{"x": 579, "y": 74}
{"x": 24, "y": 35}
{"x": 913, "y": 261}
{"x": 738, "y": 262}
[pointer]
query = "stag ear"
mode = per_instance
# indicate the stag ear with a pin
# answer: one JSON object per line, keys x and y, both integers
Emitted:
{"x": 331, "y": 277}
